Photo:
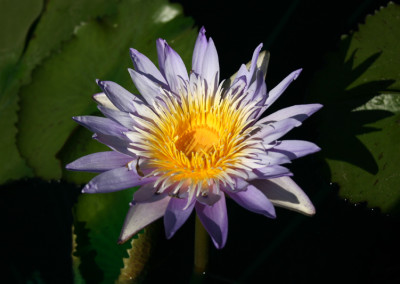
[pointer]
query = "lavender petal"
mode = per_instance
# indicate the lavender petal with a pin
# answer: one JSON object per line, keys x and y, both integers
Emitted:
{"x": 146, "y": 87}
{"x": 175, "y": 69}
{"x": 161, "y": 43}
{"x": 147, "y": 193}
{"x": 254, "y": 59}
{"x": 275, "y": 93}
{"x": 296, "y": 148}
{"x": 215, "y": 221}
{"x": 176, "y": 215}
{"x": 114, "y": 180}
{"x": 270, "y": 172}
{"x": 123, "y": 118}
{"x": 199, "y": 51}
{"x": 299, "y": 112}
{"x": 102, "y": 125}
{"x": 144, "y": 66}
{"x": 275, "y": 130}
{"x": 119, "y": 97}
{"x": 210, "y": 67}
{"x": 254, "y": 200}
{"x": 100, "y": 162}
{"x": 115, "y": 143}
{"x": 140, "y": 215}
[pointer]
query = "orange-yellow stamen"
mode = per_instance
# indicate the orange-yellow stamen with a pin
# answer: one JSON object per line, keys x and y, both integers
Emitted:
{"x": 196, "y": 139}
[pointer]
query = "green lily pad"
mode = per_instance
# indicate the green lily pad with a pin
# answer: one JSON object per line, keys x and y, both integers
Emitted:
{"x": 30, "y": 32}
{"x": 13, "y": 34}
{"x": 359, "y": 129}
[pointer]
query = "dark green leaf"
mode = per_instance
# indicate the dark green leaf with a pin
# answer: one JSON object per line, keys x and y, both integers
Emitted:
{"x": 13, "y": 36}
{"x": 359, "y": 125}
{"x": 21, "y": 51}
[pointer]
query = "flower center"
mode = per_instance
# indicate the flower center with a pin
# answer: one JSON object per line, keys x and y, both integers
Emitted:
{"x": 200, "y": 139}
{"x": 196, "y": 139}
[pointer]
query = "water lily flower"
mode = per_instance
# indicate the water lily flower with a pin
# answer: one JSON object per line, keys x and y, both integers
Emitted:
{"x": 189, "y": 141}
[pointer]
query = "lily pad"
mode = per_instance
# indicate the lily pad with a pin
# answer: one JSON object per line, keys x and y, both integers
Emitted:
{"x": 359, "y": 129}
{"x": 13, "y": 34}
{"x": 30, "y": 32}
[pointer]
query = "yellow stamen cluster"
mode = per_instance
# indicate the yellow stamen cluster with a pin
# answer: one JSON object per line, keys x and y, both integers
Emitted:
{"x": 197, "y": 138}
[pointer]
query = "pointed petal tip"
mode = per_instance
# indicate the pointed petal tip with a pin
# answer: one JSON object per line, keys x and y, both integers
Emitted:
{"x": 259, "y": 47}
{"x": 219, "y": 245}
{"x": 296, "y": 73}
{"x": 132, "y": 51}
{"x": 101, "y": 84}
{"x": 319, "y": 106}
{"x": 308, "y": 210}
{"x": 203, "y": 30}
{"x": 162, "y": 42}
{"x": 87, "y": 189}
{"x": 169, "y": 234}
{"x": 69, "y": 166}
{"x": 122, "y": 241}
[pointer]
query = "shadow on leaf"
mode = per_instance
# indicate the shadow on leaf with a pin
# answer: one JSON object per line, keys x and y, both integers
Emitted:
{"x": 339, "y": 121}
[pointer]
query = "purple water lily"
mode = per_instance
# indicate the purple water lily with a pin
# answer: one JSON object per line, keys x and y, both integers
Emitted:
{"x": 189, "y": 140}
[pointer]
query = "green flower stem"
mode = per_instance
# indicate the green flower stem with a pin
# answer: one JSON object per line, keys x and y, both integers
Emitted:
{"x": 200, "y": 249}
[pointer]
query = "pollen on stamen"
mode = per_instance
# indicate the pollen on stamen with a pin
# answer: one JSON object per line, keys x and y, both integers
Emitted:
{"x": 196, "y": 138}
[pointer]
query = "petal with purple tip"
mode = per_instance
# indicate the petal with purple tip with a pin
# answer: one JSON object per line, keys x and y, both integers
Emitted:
{"x": 144, "y": 66}
{"x": 254, "y": 200}
{"x": 215, "y": 220}
{"x": 282, "y": 86}
{"x": 210, "y": 67}
{"x": 174, "y": 68}
{"x": 140, "y": 215}
{"x": 114, "y": 180}
{"x": 176, "y": 215}
{"x": 100, "y": 162}
{"x": 199, "y": 51}
{"x": 275, "y": 93}
{"x": 254, "y": 60}
{"x": 119, "y": 97}
{"x": 160, "y": 43}
{"x": 284, "y": 192}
